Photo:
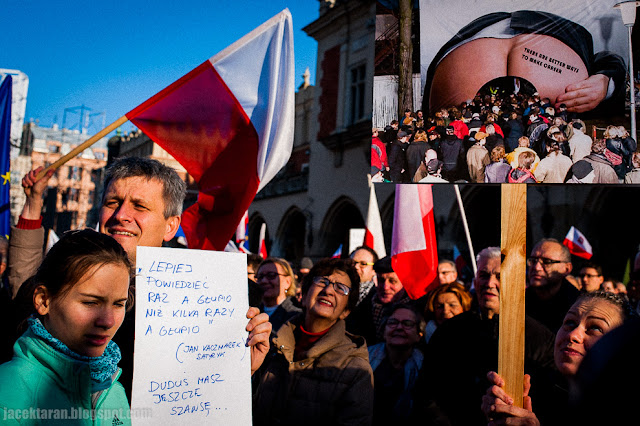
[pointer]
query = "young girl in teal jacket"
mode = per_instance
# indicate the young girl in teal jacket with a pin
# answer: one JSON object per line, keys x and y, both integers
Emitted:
{"x": 65, "y": 367}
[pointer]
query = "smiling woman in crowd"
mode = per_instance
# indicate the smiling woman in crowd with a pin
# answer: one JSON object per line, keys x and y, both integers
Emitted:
{"x": 591, "y": 316}
{"x": 444, "y": 302}
{"x": 396, "y": 363}
{"x": 316, "y": 372}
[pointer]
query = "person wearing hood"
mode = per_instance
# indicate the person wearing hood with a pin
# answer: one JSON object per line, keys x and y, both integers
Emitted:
{"x": 594, "y": 168}
{"x": 317, "y": 372}
{"x": 434, "y": 170}
{"x": 475, "y": 123}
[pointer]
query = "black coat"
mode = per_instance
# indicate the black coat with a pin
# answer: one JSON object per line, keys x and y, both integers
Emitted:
{"x": 415, "y": 155}
{"x": 551, "y": 312}
{"x": 452, "y": 154}
{"x": 516, "y": 131}
{"x": 397, "y": 162}
{"x": 460, "y": 354}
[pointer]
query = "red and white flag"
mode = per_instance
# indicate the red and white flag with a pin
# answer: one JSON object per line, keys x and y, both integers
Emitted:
{"x": 458, "y": 259}
{"x": 373, "y": 236}
{"x": 578, "y": 244}
{"x": 414, "y": 252}
{"x": 230, "y": 123}
{"x": 262, "y": 243}
{"x": 241, "y": 230}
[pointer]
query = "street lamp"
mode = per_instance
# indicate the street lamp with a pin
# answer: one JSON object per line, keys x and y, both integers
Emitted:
{"x": 628, "y": 11}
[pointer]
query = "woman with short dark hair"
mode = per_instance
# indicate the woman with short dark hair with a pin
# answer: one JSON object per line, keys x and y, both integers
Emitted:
{"x": 317, "y": 372}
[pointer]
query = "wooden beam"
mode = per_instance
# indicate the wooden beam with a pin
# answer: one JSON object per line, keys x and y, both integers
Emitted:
{"x": 512, "y": 289}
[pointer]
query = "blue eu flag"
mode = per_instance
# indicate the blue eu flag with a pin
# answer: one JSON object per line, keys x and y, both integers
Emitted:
{"x": 5, "y": 150}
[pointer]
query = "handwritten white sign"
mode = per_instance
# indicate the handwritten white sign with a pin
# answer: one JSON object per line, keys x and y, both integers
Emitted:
{"x": 191, "y": 365}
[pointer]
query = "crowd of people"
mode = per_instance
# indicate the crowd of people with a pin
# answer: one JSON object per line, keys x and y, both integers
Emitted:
{"x": 337, "y": 341}
{"x": 498, "y": 138}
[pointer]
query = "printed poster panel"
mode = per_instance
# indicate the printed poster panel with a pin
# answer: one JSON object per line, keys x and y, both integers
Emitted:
{"x": 551, "y": 45}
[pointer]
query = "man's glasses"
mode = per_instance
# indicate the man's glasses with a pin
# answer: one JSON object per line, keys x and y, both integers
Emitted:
{"x": 544, "y": 260}
{"x": 340, "y": 288}
{"x": 268, "y": 275}
{"x": 393, "y": 322}
{"x": 589, "y": 275}
{"x": 363, "y": 263}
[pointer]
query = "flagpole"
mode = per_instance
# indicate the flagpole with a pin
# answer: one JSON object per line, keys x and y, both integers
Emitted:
{"x": 86, "y": 144}
{"x": 466, "y": 229}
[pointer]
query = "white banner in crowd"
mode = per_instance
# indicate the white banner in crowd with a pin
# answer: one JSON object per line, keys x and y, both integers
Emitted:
{"x": 191, "y": 364}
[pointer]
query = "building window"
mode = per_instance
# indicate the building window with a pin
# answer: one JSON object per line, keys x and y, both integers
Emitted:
{"x": 75, "y": 173}
{"x": 328, "y": 100}
{"x": 71, "y": 195}
{"x": 357, "y": 91}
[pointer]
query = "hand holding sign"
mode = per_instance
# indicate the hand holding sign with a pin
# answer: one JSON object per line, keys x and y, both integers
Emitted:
{"x": 259, "y": 329}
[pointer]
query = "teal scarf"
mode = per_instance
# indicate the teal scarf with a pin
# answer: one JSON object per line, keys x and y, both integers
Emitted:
{"x": 102, "y": 368}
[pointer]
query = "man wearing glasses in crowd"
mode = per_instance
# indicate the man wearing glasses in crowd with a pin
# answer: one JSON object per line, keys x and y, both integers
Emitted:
{"x": 591, "y": 277}
{"x": 549, "y": 294}
{"x": 464, "y": 349}
{"x": 447, "y": 272}
{"x": 364, "y": 258}
{"x": 367, "y": 320}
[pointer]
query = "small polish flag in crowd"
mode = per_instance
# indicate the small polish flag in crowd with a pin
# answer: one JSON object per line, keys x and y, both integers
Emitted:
{"x": 373, "y": 236}
{"x": 414, "y": 252}
{"x": 229, "y": 122}
{"x": 262, "y": 243}
{"x": 242, "y": 234}
{"x": 578, "y": 244}
{"x": 458, "y": 259}
{"x": 241, "y": 230}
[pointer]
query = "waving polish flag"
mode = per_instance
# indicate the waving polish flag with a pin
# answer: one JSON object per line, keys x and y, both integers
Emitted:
{"x": 241, "y": 230}
{"x": 230, "y": 123}
{"x": 578, "y": 244}
{"x": 414, "y": 253}
{"x": 262, "y": 247}
{"x": 242, "y": 233}
{"x": 458, "y": 259}
{"x": 373, "y": 236}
